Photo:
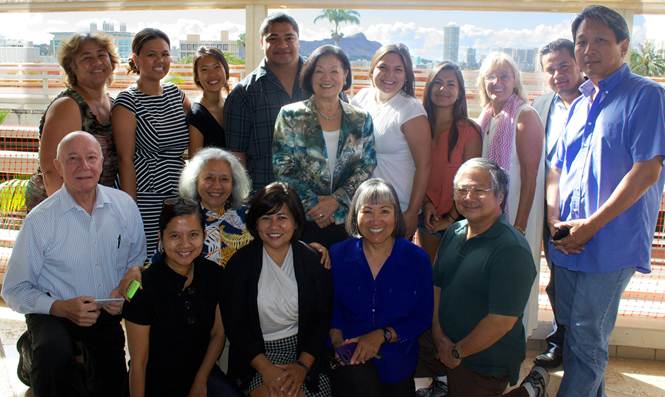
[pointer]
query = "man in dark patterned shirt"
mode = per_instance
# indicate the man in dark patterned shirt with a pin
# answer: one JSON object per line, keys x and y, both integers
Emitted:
{"x": 253, "y": 105}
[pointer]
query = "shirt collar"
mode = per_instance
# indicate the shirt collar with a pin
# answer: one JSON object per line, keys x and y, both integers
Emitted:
{"x": 174, "y": 279}
{"x": 493, "y": 232}
{"x": 68, "y": 202}
{"x": 264, "y": 70}
{"x": 607, "y": 84}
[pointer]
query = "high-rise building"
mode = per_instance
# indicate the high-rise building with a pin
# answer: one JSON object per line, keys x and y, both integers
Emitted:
{"x": 189, "y": 46}
{"x": 471, "y": 62}
{"x": 122, "y": 38}
{"x": 451, "y": 43}
{"x": 525, "y": 58}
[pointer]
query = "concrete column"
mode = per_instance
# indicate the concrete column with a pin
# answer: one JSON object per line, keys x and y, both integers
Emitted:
{"x": 254, "y": 15}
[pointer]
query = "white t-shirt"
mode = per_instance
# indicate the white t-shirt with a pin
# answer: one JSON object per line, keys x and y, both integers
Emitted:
{"x": 277, "y": 298}
{"x": 332, "y": 142}
{"x": 394, "y": 161}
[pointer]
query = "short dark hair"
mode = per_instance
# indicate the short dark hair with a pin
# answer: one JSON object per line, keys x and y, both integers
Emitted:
{"x": 142, "y": 37}
{"x": 278, "y": 17}
{"x": 269, "y": 200}
{"x": 557, "y": 45}
{"x": 178, "y": 206}
{"x": 607, "y": 17}
{"x": 217, "y": 55}
{"x": 310, "y": 65}
{"x": 374, "y": 191}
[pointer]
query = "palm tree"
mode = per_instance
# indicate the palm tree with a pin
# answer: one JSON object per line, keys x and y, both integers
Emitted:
{"x": 647, "y": 61}
{"x": 338, "y": 16}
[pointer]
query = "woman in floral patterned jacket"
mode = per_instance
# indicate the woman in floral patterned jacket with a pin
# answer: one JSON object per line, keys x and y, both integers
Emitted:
{"x": 324, "y": 147}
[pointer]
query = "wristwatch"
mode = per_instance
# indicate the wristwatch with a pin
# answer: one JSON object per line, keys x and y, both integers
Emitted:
{"x": 387, "y": 335}
{"x": 455, "y": 353}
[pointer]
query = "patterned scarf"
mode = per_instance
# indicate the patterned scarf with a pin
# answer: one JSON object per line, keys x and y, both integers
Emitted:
{"x": 501, "y": 146}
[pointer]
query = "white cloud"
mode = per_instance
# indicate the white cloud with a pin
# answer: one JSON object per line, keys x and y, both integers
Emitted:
{"x": 31, "y": 27}
{"x": 428, "y": 41}
{"x": 654, "y": 28}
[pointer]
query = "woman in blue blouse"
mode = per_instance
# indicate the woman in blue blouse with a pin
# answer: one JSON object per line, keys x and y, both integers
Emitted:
{"x": 324, "y": 147}
{"x": 382, "y": 298}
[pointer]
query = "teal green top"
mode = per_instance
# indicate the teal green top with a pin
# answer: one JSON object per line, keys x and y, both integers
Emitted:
{"x": 491, "y": 273}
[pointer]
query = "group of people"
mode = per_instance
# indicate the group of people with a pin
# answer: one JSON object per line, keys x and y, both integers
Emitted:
{"x": 286, "y": 237}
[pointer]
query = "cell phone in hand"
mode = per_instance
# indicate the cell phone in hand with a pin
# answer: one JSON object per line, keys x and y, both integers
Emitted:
{"x": 344, "y": 353}
{"x": 560, "y": 233}
{"x": 132, "y": 288}
{"x": 103, "y": 301}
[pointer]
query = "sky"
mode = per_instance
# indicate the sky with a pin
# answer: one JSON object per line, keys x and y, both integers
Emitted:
{"x": 421, "y": 30}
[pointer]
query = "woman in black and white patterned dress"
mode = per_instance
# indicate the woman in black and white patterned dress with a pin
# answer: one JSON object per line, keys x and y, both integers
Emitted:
{"x": 150, "y": 130}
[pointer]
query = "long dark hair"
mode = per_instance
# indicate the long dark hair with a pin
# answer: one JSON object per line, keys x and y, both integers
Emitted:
{"x": 460, "y": 112}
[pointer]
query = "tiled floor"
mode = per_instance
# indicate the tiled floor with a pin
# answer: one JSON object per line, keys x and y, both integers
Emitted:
{"x": 624, "y": 378}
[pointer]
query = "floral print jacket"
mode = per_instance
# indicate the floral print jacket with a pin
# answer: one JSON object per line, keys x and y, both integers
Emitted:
{"x": 299, "y": 155}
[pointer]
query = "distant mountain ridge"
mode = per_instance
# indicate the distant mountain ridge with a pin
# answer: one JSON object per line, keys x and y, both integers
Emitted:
{"x": 355, "y": 46}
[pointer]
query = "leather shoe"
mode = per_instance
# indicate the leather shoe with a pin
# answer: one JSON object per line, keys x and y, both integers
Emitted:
{"x": 550, "y": 358}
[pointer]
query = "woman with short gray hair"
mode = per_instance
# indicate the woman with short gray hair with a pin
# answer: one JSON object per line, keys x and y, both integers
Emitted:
{"x": 382, "y": 298}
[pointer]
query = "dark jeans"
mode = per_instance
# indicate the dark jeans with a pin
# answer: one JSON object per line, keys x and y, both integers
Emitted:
{"x": 219, "y": 385}
{"x": 428, "y": 365}
{"x": 327, "y": 236}
{"x": 55, "y": 368}
{"x": 462, "y": 382}
{"x": 555, "y": 338}
{"x": 363, "y": 381}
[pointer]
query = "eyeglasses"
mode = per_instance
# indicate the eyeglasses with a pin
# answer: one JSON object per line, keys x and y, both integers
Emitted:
{"x": 493, "y": 77}
{"x": 463, "y": 191}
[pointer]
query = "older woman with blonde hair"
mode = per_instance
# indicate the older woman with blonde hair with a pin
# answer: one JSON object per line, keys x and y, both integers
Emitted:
{"x": 514, "y": 137}
{"x": 88, "y": 61}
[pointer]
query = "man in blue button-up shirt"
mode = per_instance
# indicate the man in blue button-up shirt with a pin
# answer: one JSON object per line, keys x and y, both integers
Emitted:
{"x": 604, "y": 187}
{"x": 73, "y": 249}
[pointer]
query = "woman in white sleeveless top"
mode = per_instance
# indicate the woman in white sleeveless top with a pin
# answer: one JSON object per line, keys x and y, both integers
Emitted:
{"x": 513, "y": 136}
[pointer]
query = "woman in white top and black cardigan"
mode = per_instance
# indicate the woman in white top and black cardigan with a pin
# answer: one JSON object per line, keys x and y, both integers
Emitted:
{"x": 278, "y": 303}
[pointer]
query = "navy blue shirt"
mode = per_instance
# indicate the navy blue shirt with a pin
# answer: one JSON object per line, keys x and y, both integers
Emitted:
{"x": 401, "y": 297}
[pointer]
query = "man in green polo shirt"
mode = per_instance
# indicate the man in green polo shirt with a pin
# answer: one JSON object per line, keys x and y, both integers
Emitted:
{"x": 482, "y": 278}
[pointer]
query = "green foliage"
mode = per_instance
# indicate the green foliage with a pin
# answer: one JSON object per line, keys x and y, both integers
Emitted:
{"x": 242, "y": 39}
{"x": 3, "y": 115}
{"x": 174, "y": 79}
{"x": 188, "y": 60}
{"x": 233, "y": 60}
{"x": 647, "y": 61}
{"x": 12, "y": 195}
{"x": 338, "y": 16}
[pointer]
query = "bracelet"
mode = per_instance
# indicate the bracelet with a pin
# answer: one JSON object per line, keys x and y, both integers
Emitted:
{"x": 519, "y": 229}
{"x": 303, "y": 365}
